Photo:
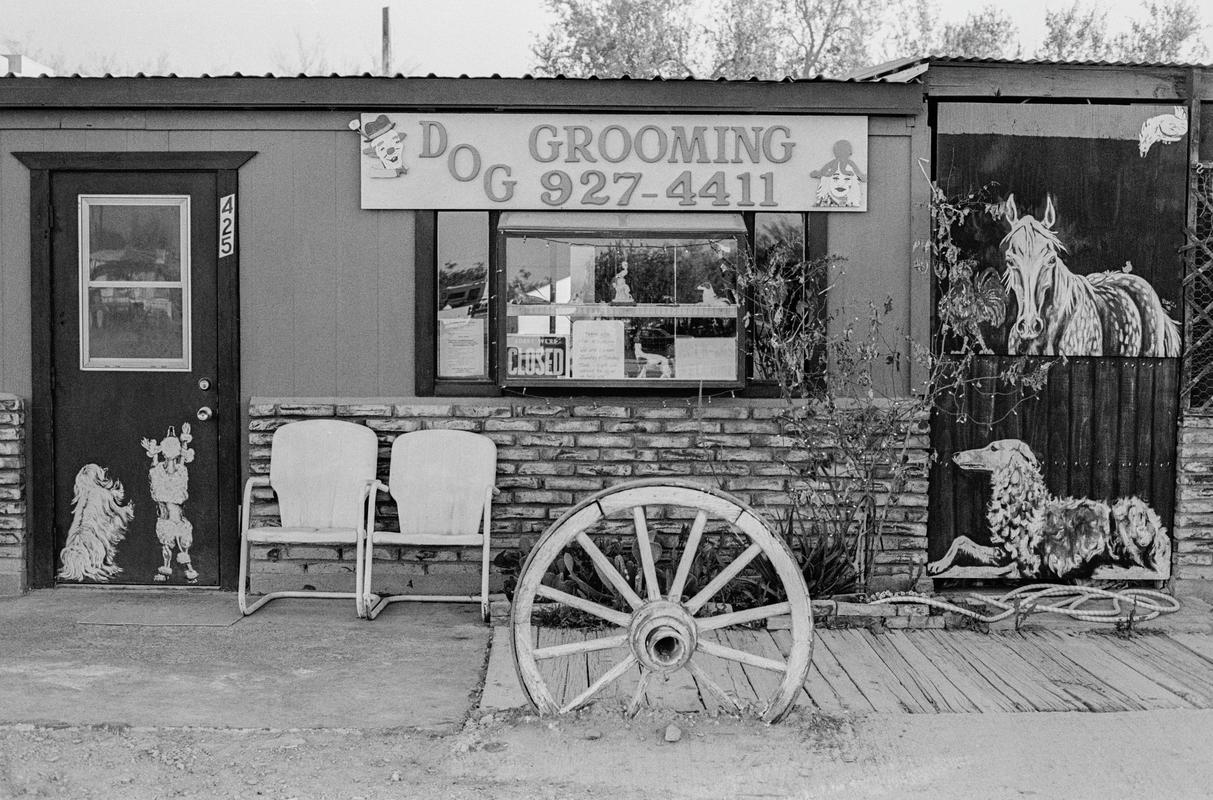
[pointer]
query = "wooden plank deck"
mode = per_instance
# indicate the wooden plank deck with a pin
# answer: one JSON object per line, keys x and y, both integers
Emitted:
{"x": 924, "y": 672}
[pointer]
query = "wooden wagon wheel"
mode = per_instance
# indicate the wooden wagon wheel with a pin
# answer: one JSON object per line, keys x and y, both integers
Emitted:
{"x": 663, "y": 630}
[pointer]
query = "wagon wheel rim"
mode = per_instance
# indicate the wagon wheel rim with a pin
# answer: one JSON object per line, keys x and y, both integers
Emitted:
{"x": 662, "y": 629}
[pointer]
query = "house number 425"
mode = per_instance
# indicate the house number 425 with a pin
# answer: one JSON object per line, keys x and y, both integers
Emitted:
{"x": 227, "y": 225}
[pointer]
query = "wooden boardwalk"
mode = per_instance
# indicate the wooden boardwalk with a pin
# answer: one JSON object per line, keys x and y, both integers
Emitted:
{"x": 915, "y": 672}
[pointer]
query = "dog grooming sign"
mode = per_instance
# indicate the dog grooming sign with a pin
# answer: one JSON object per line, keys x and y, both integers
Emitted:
{"x": 613, "y": 162}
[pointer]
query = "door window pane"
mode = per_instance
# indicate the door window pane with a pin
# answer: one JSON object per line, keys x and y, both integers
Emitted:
{"x": 134, "y": 282}
{"x": 135, "y": 322}
{"x": 463, "y": 295}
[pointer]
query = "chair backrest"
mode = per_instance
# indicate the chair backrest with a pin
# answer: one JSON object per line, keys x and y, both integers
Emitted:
{"x": 439, "y": 480}
{"x": 319, "y": 469}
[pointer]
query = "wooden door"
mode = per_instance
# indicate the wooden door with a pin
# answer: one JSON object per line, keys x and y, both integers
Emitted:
{"x": 135, "y": 387}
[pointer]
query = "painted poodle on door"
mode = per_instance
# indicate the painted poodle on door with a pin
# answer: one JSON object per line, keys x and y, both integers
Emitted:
{"x": 1036, "y": 535}
{"x": 1060, "y": 313}
{"x": 170, "y": 486}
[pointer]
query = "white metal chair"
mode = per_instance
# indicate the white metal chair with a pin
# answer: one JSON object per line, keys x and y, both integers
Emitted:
{"x": 322, "y": 471}
{"x": 442, "y": 482}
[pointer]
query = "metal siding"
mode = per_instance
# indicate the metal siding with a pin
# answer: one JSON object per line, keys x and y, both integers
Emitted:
{"x": 326, "y": 297}
{"x": 877, "y": 245}
{"x": 310, "y": 262}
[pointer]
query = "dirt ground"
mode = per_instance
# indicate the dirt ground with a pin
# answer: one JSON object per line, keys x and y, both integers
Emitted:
{"x": 1135, "y": 755}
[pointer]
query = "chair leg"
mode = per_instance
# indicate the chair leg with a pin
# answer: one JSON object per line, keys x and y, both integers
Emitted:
{"x": 372, "y": 603}
{"x": 242, "y": 592}
{"x": 484, "y": 582}
{"x": 359, "y": 599}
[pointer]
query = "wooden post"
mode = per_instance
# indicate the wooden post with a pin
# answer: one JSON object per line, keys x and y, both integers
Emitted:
{"x": 387, "y": 43}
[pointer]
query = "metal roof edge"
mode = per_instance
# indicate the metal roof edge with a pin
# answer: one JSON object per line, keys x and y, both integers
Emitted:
{"x": 336, "y": 92}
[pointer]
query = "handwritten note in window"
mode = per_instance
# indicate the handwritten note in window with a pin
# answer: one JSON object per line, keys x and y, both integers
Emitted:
{"x": 598, "y": 349}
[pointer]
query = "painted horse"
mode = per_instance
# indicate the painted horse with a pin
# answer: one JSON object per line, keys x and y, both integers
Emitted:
{"x": 1113, "y": 313}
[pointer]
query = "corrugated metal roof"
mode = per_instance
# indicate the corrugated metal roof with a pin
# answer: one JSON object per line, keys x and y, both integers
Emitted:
{"x": 880, "y": 72}
{"x": 431, "y": 76}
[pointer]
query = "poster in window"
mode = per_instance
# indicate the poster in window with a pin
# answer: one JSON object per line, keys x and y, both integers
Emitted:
{"x": 461, "y": 347}
{"x": 706, "y": 358}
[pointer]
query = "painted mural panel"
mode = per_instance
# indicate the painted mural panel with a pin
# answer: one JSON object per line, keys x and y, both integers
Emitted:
{"x": 1087, "y": 212}
{"x": 1090, "y": 213}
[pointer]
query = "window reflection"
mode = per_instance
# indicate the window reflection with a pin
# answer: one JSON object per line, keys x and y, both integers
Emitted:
{"x": 134, "y": 242}
{"x": 463, "y": 294}
{"x": 779, "y": 244}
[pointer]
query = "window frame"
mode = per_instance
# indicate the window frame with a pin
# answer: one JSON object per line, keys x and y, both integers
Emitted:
{"x": 89, "y": 362}
{"x": 429, "y": 384}
{"x": 499, "y": 368}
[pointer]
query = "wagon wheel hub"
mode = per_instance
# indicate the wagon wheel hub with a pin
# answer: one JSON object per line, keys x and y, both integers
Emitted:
{"x": 662, "y": 636}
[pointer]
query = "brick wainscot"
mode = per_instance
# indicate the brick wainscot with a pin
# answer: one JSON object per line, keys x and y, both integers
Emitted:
{"x": 1193, "y": 551}
{"x": 13, "y": 521}
{"x": 551, "y": 454}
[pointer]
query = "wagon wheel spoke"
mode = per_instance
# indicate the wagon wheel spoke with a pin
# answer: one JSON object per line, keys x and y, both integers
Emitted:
{"x": 638, "y": 695}
{"x": 726, "y": 575}
{"x": 741, "y": 656}
{"x": 608, "y": 570}
{"x": 741, "y": 617}
{"x": 603, "y": 681}
{"x": 701, "y": 677}
{"x": 588, "y": 606}
{"x": 584, "y": 646}
{"x": 646, "y": 554}
{"x": 689, "y": 551}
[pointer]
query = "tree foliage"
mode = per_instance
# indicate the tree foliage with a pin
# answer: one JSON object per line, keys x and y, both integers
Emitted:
{"x": 1076, "y": 33}
{"x": 774, "y": 39}
{"x": 726, "y": 39}
{"x": 1168, "y": 30}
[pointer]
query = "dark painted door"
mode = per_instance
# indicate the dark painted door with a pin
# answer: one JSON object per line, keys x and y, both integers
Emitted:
{"x": 134, "y": 341}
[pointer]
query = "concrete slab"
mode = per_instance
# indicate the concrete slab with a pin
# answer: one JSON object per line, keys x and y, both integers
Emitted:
{"x": 501, "y": 687}
{"x": 293, "y": 664}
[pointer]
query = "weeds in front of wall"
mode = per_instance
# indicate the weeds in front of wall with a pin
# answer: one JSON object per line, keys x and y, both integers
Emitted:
{"x": 854, "y": 433}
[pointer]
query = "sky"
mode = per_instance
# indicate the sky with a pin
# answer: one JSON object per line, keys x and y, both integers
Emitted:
{"x": 446, "y": 37}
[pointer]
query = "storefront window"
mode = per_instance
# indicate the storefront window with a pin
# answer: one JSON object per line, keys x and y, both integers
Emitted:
{"x": 613, "y": 299}
{"x": 463, "y": 295}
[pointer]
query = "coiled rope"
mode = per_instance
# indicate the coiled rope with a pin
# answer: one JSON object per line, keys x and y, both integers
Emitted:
{"x": 1075, "y": 602}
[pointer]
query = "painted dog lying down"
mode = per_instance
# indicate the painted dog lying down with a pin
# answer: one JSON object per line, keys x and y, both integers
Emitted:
{"x": 1036, "y": 535}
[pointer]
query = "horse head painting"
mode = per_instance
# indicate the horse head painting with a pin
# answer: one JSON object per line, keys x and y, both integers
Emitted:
{"x": 1114, "y": 313}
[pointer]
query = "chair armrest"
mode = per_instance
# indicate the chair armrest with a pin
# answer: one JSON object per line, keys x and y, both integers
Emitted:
{"x": 246, "y": 503}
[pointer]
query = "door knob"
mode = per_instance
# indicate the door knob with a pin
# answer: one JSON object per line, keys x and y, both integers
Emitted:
{"x": 205, "y": 413}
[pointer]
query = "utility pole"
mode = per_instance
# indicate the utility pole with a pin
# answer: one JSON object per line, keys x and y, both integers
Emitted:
{"x": 387, "y": 43}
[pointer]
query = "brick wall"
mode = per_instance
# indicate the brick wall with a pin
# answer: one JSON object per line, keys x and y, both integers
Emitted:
{"x": 12, "y": 495}
{"x": 550, "y": 456}
{"x": 1193, "y": 551}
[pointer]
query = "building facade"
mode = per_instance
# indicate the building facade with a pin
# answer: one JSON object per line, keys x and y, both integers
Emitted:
{"x": 188, "y": 263}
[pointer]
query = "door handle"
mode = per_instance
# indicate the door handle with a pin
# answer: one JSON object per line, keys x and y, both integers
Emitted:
{"x": 205, "y": 413}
